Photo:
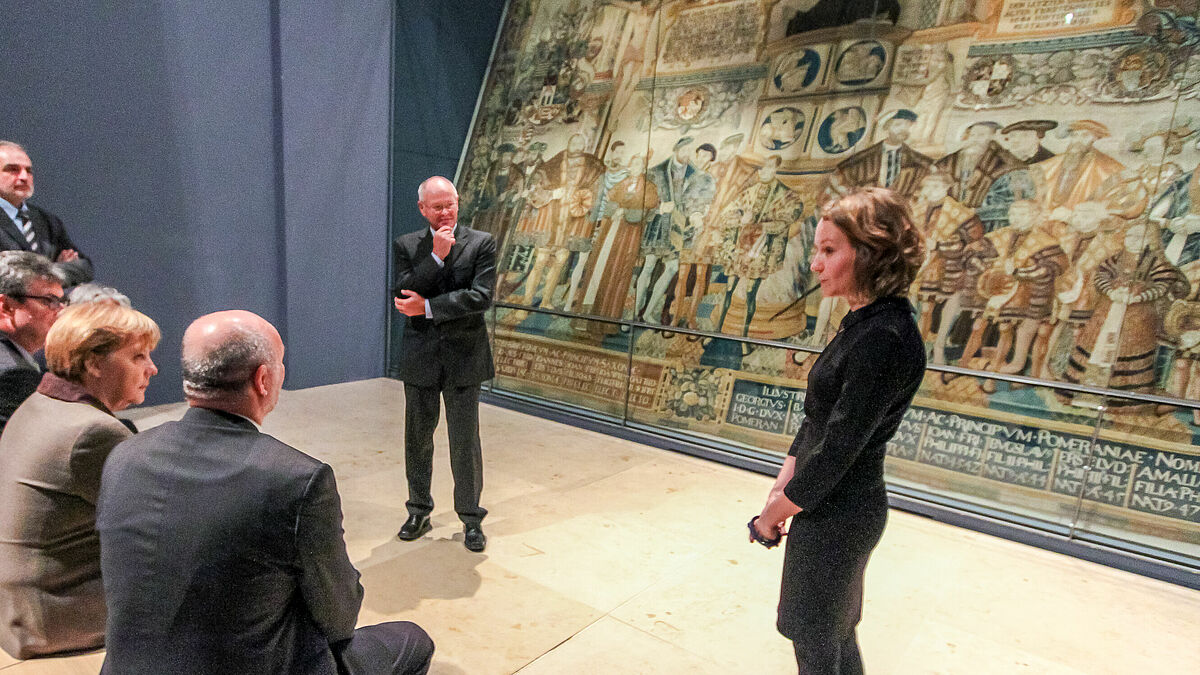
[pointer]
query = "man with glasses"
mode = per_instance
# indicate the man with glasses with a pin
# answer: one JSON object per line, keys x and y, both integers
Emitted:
{"x": 31, "y": 294}
{"x": 445, "y": 278}
{"x": 26, "y": 227}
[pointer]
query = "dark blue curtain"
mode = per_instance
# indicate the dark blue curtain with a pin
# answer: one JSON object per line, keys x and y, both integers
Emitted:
{"x": 211, "y": 155}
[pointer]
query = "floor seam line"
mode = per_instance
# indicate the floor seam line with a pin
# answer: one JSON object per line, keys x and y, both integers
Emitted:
{"x": 562, "y": 642}
{"x": 606, "y": 614}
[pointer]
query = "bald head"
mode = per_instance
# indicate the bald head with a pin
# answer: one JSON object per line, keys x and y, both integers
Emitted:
{"x": 435, "y": 184}
{"x": 233, "y": 360}
{"x": 437, "y": 200}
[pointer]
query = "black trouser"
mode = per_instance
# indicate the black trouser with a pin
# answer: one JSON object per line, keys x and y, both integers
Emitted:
{"x": 421, "y": 411}
{"x": 829, "y": 658}
{"x": 392, "y": 648}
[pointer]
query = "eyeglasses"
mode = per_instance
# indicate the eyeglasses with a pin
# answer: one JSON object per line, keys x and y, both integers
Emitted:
{"x": 52, "y": 301}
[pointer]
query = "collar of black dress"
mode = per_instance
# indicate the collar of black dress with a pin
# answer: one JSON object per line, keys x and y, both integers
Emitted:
{"x": 891, "y": 302}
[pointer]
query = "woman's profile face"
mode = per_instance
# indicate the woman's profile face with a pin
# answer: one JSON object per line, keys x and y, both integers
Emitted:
{"x": 833, "y": 261}
{"x": 119, "y": 379}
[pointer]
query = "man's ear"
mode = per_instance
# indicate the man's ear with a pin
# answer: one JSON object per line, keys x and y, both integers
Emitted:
{"x": 262, "y": 380}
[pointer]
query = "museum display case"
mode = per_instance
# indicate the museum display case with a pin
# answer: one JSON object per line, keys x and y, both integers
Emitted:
{"x": 653, "y": 172}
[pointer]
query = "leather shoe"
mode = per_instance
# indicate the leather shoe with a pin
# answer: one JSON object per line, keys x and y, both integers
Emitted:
{"x": 474, "y": 538}
{"x": 414, "y": 528}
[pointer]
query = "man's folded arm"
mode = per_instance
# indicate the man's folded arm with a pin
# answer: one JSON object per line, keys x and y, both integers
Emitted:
{"x": 74, "y": 272}
{"x": 419, "y": 274}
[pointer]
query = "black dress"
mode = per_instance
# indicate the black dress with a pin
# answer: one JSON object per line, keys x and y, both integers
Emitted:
{"x": 858, "y": 390}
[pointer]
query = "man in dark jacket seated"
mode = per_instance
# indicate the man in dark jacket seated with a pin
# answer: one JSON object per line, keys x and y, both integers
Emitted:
{"x": 221, "y": 547}
{"x": 31, "y": 294}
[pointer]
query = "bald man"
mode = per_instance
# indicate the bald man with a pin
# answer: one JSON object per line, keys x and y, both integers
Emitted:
{"x": 221, "y": 547}
{"x": 445, "y": 278}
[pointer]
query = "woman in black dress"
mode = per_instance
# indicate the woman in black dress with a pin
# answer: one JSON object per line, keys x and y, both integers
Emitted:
{"x": 831, "y": 484}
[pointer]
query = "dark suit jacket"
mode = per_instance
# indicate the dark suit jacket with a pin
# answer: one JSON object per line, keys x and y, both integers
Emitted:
{"x": 52, "y": 240}
{"x": 455, "y": 340}
{"x": 18, "y": 379}
{"x": 221, "y": 551}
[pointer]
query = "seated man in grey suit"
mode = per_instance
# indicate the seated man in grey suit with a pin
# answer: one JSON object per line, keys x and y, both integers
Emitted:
{"x": 31, "y": 294}
{"x": 26, "y": 227}
{"x": 221, "y": 548}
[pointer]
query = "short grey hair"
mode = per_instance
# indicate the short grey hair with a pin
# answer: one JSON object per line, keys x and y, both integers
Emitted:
{"x": 421, "y": 187}
{"x": 12, "y": 144}
{"x": 19, "y": 269}
{"x": 93, "y": 292}
{"x": 221, "y": 372}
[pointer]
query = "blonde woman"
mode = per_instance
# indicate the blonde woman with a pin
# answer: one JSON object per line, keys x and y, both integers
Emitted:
{"x": 51, "y": 455}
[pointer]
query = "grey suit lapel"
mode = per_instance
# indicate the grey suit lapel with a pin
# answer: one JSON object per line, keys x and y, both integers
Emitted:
{"x": 13, "y": 232}
{"x": 424, "y": 245}
{"x": 461, "y": 238}
{"x": 16, "y": 355}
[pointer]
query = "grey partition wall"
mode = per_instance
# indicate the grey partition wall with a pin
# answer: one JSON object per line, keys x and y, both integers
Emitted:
{"x": 212, "y": 155}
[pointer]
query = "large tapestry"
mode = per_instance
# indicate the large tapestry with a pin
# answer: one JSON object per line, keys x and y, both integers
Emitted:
{"x": 662, "y": 164}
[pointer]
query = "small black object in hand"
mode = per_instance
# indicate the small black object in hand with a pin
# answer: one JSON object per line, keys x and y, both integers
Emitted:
{"x": 769, "y": 543}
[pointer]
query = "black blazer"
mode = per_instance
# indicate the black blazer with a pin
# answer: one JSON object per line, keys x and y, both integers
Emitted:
{"x": 455, "y": 340}
{"x": 52, "y": 240}
{"x": 18, "y": 379}
{"x": 222, "y": 551}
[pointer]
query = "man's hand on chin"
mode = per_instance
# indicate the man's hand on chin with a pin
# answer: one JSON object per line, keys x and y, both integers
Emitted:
{"x": 443, "y": 239}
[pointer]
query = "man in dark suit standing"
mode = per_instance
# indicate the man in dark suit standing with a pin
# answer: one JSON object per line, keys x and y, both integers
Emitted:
{"x": 26, "y": 227}
{"x": 31, "y": 294}
{"x": 445, "y": 278}
{"x": 221, "y": 548}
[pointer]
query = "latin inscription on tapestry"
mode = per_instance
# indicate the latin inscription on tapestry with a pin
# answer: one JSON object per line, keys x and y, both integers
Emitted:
{"x": 716, "y": 35}
{"x": 1022, "y": 16}
{"x": 1167, "y": 483}
{"x": 765, "y": 407}
{"x": 1111, "y": 466}
{"x": 1118, "y": 474}
{"x": 913, "y": 65}
{"x": 590, "y": 373}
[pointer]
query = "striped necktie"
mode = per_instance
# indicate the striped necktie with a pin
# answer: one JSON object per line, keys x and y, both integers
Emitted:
{"x": 27, "y": 228}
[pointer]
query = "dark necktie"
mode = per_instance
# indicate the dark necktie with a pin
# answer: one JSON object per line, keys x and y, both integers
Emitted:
{"x": 27, "y": 228}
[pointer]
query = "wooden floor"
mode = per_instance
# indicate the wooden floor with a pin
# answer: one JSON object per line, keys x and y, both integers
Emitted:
{"x": 610, "y": 557}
